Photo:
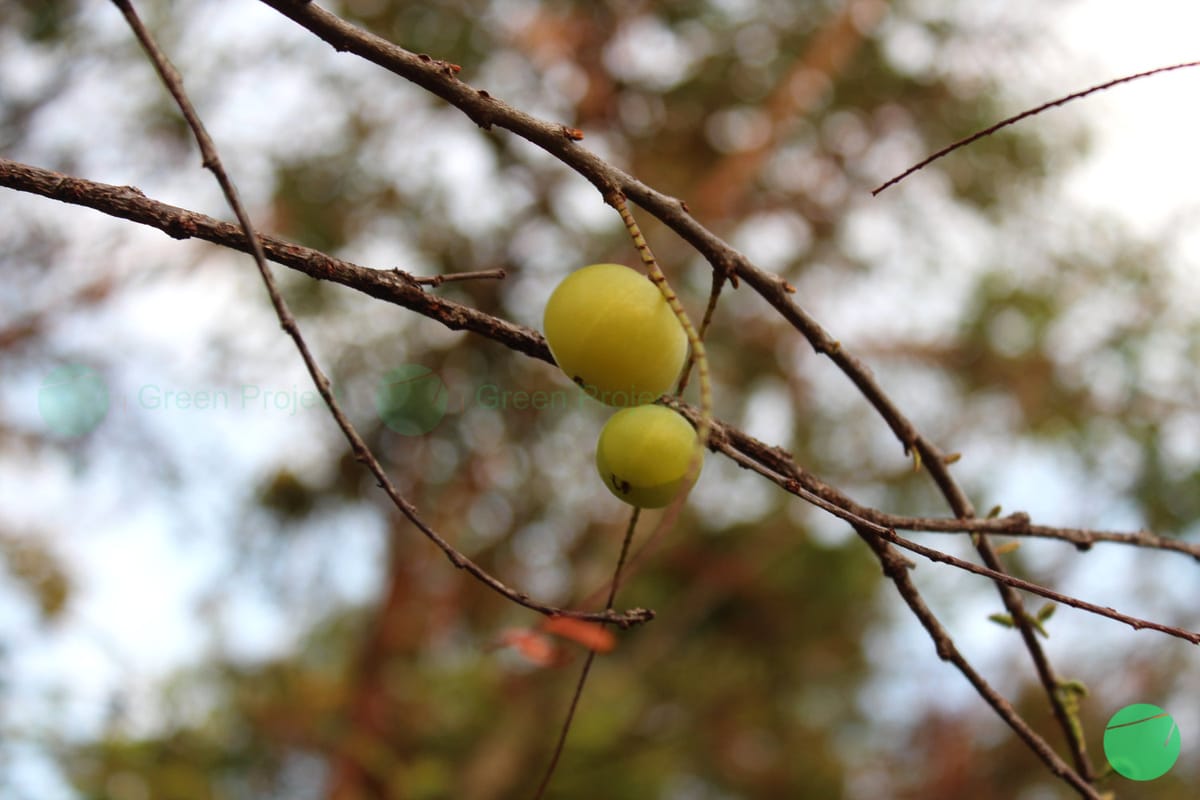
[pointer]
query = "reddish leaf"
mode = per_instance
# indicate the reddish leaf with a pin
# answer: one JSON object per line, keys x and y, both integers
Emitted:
{"x": 536, "y": 648}
{"x": 589, "y": 634}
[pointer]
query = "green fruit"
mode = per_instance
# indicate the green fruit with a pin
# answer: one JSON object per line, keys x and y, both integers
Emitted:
{"x": 614, "y": 334}
{"x": 644, "y": 454}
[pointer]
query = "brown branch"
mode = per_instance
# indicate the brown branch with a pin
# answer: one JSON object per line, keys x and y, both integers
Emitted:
{"x": 402, "y": 289}
{"x": 614, "y": 584}
{"x": 896, "y": 568}
{"x": 1010, "y": 582}
{"x": 393, "y": 286}
{"x": 362, "y": 452}
{"x": 1019, "y": 524}
{"x": 788, "y": 475}
{"x": 1004, "y": 123}
{"x": 723, "y": 436}
{"x": 720, "y": 443}
{"x": 440, "y": 78}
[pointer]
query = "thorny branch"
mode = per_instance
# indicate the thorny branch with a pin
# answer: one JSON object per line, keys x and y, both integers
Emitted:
{"x": 440, "y": 79}
{"x": 362, "y": 452}
{"x": 896, "y": 567}
{"x": 791, "y": 478}
{"x": 400, "y": 288}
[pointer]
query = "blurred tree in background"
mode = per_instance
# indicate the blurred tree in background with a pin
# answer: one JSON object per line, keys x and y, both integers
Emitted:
{"x": 329, "y": 651}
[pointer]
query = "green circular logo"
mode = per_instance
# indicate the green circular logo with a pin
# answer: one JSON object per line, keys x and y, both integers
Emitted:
{"x": 73, "y": 400}
{"x": 411, "y": 399}
{"x": 1141, "y": 742}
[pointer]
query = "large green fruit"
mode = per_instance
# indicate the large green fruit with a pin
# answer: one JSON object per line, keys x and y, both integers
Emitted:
{"x": 644, "y": 454}
{"x": 612, "y": 332}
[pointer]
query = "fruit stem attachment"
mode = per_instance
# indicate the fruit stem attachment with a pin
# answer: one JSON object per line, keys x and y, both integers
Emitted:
{"x": 655, "y": 273}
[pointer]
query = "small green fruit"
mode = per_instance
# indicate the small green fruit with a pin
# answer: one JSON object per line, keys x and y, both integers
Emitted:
{"x": 644, "y": 454}
{"x": 614, "y": 334}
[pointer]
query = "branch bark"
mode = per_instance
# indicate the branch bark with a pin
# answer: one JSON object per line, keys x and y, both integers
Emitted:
{"x": 877, "y": 529}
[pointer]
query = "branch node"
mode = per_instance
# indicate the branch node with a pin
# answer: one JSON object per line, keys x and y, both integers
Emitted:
{"x": 180, "y": 228}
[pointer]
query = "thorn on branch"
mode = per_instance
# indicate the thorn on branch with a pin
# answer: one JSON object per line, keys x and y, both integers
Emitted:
{"x": 444, "y": 66}
{"x": 437, "y": 280}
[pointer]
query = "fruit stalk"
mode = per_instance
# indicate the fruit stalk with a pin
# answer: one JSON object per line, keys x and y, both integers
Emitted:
{"x": 655, "y": 273}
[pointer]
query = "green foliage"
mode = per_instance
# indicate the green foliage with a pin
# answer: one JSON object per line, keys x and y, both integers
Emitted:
{"x": 36, "y": 566}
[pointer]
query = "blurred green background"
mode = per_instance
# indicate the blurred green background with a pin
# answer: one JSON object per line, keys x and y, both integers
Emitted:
{"x": 218, "y": 603}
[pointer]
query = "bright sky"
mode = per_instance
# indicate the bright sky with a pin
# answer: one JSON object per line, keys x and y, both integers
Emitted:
{"x": 1145, "y": 166}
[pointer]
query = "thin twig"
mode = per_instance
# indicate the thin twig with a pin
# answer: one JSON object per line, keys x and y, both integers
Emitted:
{"x": 591, "y": 656}
{"x": 936, "y": 464}
{"x": 710, "y": 309}
{"x": 390, "y": 285}
{"x": 988, "y": 131}
{"x": 896, "y": 568}
{"x": 440, "y": 78}
{"x": 1009, "y": 581}
{"x": 998, "y": 576}
{"x": 126, "y": 202}
{"x": 362, "y": 452}
{"x": 782, "y": 469}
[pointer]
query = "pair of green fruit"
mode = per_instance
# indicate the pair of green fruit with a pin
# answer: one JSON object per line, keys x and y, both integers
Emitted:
{"x": 610, "y": 329}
